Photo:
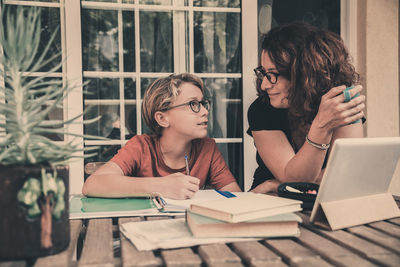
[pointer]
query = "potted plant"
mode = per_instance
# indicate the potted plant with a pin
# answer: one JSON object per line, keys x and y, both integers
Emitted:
{"x": 33, "y": 169}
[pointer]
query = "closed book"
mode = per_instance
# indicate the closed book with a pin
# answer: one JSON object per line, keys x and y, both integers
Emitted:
{"x": 282, "y": 225}
{"x": 247, "y": 207}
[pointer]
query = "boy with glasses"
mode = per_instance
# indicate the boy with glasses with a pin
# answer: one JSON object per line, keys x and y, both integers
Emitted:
{"x": 178, "y": 158}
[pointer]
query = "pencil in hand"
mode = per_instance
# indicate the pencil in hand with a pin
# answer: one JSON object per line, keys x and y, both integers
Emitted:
{"x": 187, "y": 165}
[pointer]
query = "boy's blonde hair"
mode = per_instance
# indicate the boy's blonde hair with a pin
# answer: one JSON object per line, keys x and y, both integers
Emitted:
{"x": 161, "y": 93}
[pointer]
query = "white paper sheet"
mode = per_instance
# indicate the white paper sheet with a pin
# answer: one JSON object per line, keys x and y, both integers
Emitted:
{"x": 170, "y": 233}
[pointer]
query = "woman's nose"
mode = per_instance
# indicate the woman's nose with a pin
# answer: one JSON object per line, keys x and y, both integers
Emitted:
{"x": 265, "y": 84}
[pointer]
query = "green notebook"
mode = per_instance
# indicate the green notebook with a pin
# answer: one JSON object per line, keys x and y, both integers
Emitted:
{"x": 81, "y": 207}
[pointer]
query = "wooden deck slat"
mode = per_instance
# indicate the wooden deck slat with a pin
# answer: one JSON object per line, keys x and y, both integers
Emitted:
{"x": 363, "y": 247}
{"x": 180, "y": 257}
{"x": 254, "y": 254}
{"x": 378, "y": 237}
{"x": 218, "y": 254}
{"x": 64, "y": 258}
{"x": 130, "y": 256}
{"x": 388, "y": 228}
{"x": 296, "y": 254}
{"x": 333, "y": 252}
{"x": 98, "y": 245}
{"x": 395, "y": 220}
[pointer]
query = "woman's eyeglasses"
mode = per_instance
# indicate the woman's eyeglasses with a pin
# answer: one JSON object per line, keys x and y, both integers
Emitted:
{"x": 272, "y": 77}
{"x": 194, "y": 105}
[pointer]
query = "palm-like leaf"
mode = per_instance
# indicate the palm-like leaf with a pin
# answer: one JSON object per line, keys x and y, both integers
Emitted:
{"x": 25, "y": 103}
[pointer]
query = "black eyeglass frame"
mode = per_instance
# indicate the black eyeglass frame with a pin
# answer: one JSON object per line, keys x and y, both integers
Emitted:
{"x": 193, "y": 104}
{"x": 261, "y": 73}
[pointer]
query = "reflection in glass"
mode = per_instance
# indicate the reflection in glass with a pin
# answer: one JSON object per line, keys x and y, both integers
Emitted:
{"x": 102, "y": 88}
{"x": 130, "y": 120}
{"x": 233, "y": 155}
{"x": 130, "y": 88}
{"x": 128, "y": 23}
{"x": 99, "y": 40}
{"x": 217, "y": 3}
{"x": 145, "y": 83}
{"x": 217, "y": 43}
{"x": 156, "y": 49}
{"x": 225, "y": 116}
{"x": 109, "y": 123}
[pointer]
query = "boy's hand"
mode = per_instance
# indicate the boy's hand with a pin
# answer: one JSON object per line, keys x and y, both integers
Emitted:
{"x": 179, "y": 186}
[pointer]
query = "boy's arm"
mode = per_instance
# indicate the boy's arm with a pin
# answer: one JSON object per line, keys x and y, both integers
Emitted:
{"x": 110, "y": 181}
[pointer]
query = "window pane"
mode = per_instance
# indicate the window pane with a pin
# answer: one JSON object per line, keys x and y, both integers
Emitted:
{"x": 233, "y": 155}
{"x": 130, "y": 120}
{"x": 218, "y": 3}
{"x": 109, "y": 123}
{"x": 217, "y": 44}
{"x": 321, "y": 13}
{"x": 128, "y": 19}
{"x": 102, "y": 88}
{"x": 225, "y": 117}
{"x": 156, "y": 49}
{"x": 130, "y": 88}
{"x": 145, "y": 82}
{"x": 99, "y": 40}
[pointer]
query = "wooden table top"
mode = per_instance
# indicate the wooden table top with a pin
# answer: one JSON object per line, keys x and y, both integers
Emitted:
{"x": 97, "y": 242}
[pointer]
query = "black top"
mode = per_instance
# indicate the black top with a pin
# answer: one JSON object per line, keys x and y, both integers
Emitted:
{"x": 262, "y": 116}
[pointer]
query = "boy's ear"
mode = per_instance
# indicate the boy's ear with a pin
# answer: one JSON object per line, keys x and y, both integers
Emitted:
{"x": 161, "y": 119}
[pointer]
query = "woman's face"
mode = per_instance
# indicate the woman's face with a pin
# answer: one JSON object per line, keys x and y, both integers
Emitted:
{"x": 277, "y": 92}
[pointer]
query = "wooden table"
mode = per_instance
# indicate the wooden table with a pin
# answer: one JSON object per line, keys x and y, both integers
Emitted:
{"x": 97, "y": 242}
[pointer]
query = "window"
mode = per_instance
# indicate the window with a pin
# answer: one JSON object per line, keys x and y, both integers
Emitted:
{"x": 118, "y": 47}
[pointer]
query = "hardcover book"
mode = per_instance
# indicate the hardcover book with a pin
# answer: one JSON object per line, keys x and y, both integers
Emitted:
{"x": 247, "y": 207}
{"x": 282, "y": 225}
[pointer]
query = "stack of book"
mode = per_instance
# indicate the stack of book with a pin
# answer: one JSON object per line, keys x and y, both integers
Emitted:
{"x": 253, "y": 215}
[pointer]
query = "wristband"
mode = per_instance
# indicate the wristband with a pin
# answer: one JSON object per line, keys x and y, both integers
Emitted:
{"x": 316, "y": 145}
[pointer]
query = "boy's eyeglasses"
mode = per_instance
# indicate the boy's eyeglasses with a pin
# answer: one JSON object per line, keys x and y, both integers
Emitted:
{"x": 271, "y": 76}
{"x": 194, "y": 105}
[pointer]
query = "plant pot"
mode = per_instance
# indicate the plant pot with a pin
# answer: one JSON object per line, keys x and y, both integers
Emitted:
{"x": 21, "y": 235}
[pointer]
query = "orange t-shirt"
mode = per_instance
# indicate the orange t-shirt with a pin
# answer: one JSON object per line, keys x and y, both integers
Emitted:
{"x": 141, "y": 157}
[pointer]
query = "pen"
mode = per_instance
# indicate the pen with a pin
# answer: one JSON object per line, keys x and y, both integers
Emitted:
{"x": 187, "y": 165}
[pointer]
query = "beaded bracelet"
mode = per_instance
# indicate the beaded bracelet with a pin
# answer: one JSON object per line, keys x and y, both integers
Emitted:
{"x": 319, "y": 146}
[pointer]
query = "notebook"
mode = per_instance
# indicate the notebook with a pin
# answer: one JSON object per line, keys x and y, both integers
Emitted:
{"x": 354, "y": 188}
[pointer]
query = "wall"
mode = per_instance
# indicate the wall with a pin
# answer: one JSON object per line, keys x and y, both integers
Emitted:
{"x": 378, "y": 63}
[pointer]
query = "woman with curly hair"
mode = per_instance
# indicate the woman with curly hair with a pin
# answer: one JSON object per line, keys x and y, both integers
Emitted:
{"x": 302, "y": 105}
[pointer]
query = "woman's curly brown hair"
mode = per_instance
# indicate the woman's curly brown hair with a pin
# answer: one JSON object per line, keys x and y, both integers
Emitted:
{"x": 314, "y": 60}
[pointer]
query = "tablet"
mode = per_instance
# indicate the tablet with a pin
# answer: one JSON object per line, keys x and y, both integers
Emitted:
{"x": 357, "y": 168}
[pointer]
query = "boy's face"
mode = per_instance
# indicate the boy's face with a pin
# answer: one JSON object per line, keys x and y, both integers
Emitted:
{"x": 183, "y": 121}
